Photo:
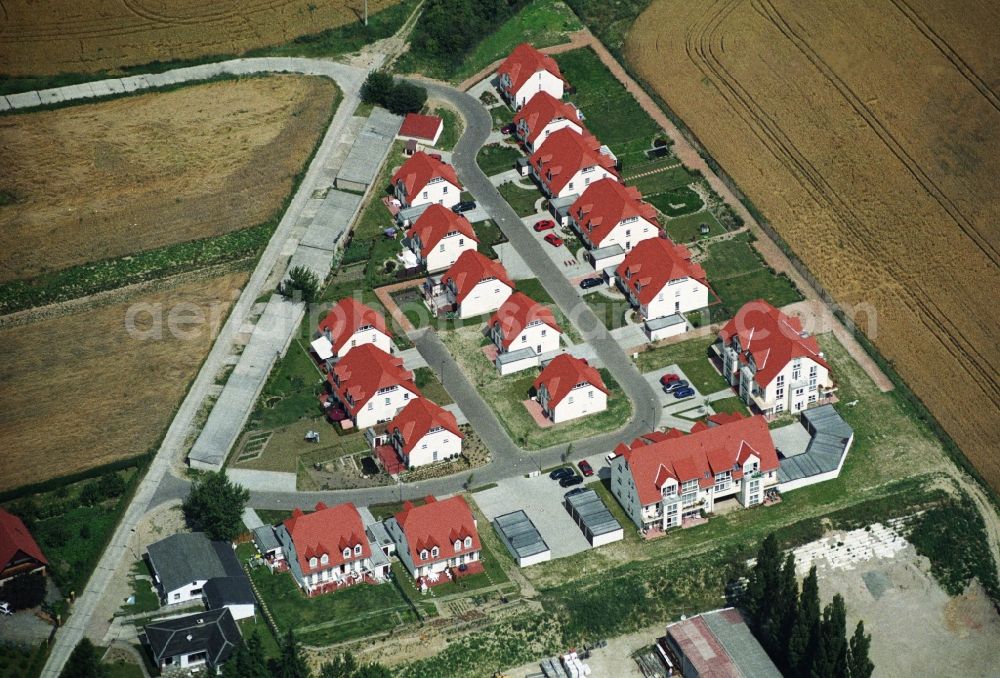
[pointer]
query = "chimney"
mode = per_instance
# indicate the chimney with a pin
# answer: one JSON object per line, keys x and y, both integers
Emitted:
{"x": 429, "y": 499}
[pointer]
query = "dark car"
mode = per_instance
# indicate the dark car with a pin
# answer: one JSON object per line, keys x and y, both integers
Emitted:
{"x": 683, "y": 393}
{"x": 585, "y": 468}
{"x": 508, "y": 128}
{"x": 464, "y": 206}
{"x": 544, "y": 225}
{"x": 436, "y": 156}
{"x": 676, "y": 386}
{"x": 561, "y": 472}
{"x": 669, "y": 378}
{"x": 573, "y": 493}
{"x": 570, "y": 481}
{"x": 587, "y": 283}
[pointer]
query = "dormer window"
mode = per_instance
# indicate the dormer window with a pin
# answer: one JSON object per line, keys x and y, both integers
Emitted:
{"x": 458, "y": 544}
{"x": 312, "y": 562}
{"x": 434, "y": 552}
{"x": 347, "y": 553}
{"x": 468, "y": 542}
{"x": 324, "y": 559}
{"x": 357, "y": 549}
{"x": 423, "y": 555}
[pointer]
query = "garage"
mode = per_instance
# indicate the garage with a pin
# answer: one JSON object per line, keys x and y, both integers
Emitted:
{"x": 593, "y": 518}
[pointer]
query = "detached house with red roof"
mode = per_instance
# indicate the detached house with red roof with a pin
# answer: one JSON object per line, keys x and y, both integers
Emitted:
{"x": 611, "y": 219}
{"x": 542, "y": 116}
{"x": 439, "y": 236}
{"x": 523, "y": 330}
{"x": 570, "y": 162}
{"x": 371, "y": 385}
{"x": 423, "y": 180}
{"x": 569, "y": 387}
{"x": 19, "y": 552}
{"x": 661, "y": 479}
{"x": 774, "y": 365}
{"x": 525, "y": 73}
{"x": 438, "y": 541}
{"x": 350, "y": 323}
{"x": 424, "y": 433}
{"x": 474, "y": 285}
{"x": 329, "y": 549}
{"x": 659, "y": 279}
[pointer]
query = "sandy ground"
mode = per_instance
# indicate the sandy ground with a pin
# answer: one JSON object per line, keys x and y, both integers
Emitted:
{"x": 612, "y": 661}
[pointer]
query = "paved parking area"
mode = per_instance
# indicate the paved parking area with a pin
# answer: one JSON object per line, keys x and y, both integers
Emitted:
{"x": 561, "y": 256}
{"x": 541, "y": 498}
{"x": 668, "y": 399}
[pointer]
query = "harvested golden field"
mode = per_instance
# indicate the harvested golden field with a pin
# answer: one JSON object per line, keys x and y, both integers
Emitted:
{"x": 55, "y": 36}
{"x": 868, "y": 133}
{"x": 107, "y": 179}
{"x": 81, "y": 390}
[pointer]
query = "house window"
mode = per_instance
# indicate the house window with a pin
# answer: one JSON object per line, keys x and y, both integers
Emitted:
{"x": 441, "y": 248}
{"x": 780, "y": 407}
{"x": 423, "y": 555}
{"x": 779, "y": 393}
{"x": 812, "y": 397}
{"x": 524, "y": 338}
{"x": 324, "y": 559}
{"x": 799, "y": 391}
{"x": 570, "y": 186}
{"x": 434, "y": 455}
{"x": 347, "y": 553}
{"x": 590, "y": 393}
{"x": 371, "y": 406}
{"x": 434, "y": 552}
{"x": 571, "y": 400}
{"x": 312, "y": 562}
{"x": 781, "y": 380}
{"x": 357, "y": 549}
{"x": 468, "y": 542}
{"x": 406, "y": 395}
{"x": 353, "y": 343}
{"x": 461, "y": 241}
{"x": 177, "y": 596}
{"x": 388, "y": 400}
{"x": 425, "y": 194}
{"x": 444, "y": 190}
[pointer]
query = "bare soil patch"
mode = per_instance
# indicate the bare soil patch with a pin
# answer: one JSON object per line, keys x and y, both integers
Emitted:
{"x": 868, "y": 139}
{"x": 53, "y": 36}
{"x": 78, "y": 390}
{"x": 112, "y": 178}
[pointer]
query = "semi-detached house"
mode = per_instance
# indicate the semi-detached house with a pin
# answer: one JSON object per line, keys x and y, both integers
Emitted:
{"x": 423, "y": 180}
{"x": 371, "y": 385}
{"x": 542, "y": 116}
{"x": 611, "y": 219}
{"x": 349, "y": 324}
{"x": 435, "y": 540}
{"x": 570, "y": 162}
{"x": 774, "y": 365}
{"x": 527, "y": 72}
{"x": 662, "y": 478}
{"x": 569, "y": 387}
{"x": 439, "y": 237}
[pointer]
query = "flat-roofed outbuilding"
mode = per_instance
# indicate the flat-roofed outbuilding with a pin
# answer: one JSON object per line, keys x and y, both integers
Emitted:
{"x": 522, "y": 538}
{"x": 593, "y": 517}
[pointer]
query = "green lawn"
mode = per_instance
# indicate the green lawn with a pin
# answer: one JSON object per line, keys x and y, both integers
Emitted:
{"x": 146, "y": 598}
{"x": 291, "y": 390}
{"x": 431, "y": 386}
{"x": 501, "y": 116}
{"x": 506, "y": 396}
{"x": 374, "y": 216}
{"x": 676, "y": 202}
{"x": 497, "y": 158}
{"x": 730, "y": 405}
{"x": 670, "y": 179}
{"x": 611, "y": 113}
{"x": 122, "y": 670}
{"x": 489, "y": 234}
{"x": 533, "y": 288}
{"x": 738, "y": 274}
{"x": 609, "y": 311}
{"x": 521, "y": 199}
{"x": 731, "y": 258}
{"x": 692, "y": 357}
{"x": 17, "y": 661}
{"x": 452, "y": 128}
{"x": 493, "y": 574}
{"x": 688, "y": 228}
{"x": 257, "y": 625}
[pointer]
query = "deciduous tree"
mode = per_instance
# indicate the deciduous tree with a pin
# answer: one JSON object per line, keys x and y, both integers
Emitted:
{"x": 84, "y": 662}
{"x": 301, "y": 283}
{"x": 215, "y": 506}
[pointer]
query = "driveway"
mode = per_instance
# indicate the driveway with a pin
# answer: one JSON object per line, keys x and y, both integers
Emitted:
{"x": 562, "y": 257}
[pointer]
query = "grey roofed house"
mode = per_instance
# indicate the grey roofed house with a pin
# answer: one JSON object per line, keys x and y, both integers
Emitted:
{"x": 224, "y": 591}
{"x": 181, "y": 559}
{"x": 180, "y": 641}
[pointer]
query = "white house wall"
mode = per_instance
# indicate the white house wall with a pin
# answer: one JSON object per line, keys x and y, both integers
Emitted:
{"x": 442, "y": 192}
{"x": 553, "y": 126}
{"x": 678, "y": 296}
{"x": 486, "y": 297}
{"x": 586, "y": 400}
{"x": 447, "y": 250}
{"x": 628, "y": 235}
{"x": 542, "y": 81}
{"x": 444, "y": 443}
{"x": 383, "y": 406}
{"x": 540, "y": 338}
{"x": 369, "y": 336}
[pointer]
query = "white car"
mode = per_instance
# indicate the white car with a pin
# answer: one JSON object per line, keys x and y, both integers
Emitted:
{"x": 610, "y": 457}
{"x": 5, "y": 609}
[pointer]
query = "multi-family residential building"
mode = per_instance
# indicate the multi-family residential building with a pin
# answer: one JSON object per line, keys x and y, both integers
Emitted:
{"x": 425, "y": 180}
{"x": 611, "y": 219}
{"x": 525, "y": 73}
{"x": 423, "y": 433}
{"x": 474, "y": 285}
{"x": 19, "y": 552}
{"x": 570, "y": 162}
{"x": 774, "y": 365}
{"x": 659, "y": 279}
{"x": 569, "y": 387}
{"x": 542, "y": 116}
{"x": 349, "y": 324}
{"x": 439, "y": 236}
{"x": 329, "y": 549}
{"x": 371, "y": 385}
{"x": 437, "y": 539}
{"x": 662, "y": 478}
{"x": 523, "y": 323}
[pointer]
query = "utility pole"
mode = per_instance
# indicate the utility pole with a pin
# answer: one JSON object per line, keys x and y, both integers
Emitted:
{"x": 366, "y": 12}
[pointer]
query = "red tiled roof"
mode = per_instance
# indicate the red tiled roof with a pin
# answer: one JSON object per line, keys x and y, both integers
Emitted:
{"x": 420, "y": 126}
{"x": 436, "y": 222}
{"x": 524, "y": 61}
{"x": 655, "y": 262}
{"x": 515, "y": 314}
{"x": 418, "y": 171}
{"x": 563, "y": 374}
{"x": 438, "y": 523}
{"x": 707, "y": 451}
{"x": 363, "y": 371}
{"x": 330, "y": 531}
{"x": 604, "y": 205}
{"x": 771, "y": 337}
{"x": 470, "y": 269}
{"x": 14, "y": 538}
{"x": 347, "y": 317}
{"x": 543, "y": 109}
{"x": 564, "y": 154}
{"x": 418, "y": 418}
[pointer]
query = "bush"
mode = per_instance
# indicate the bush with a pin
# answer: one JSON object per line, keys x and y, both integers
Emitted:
{"x": 24, "y": 591}
{"x": 301, "y": 283}
{"x": 406, "y": 98}
{"x": 377, "y": 88}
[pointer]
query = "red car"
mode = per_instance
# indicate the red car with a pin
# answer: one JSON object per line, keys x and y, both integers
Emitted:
{"x": 545, "y": 225}
{"x": 436, "y": 156}
{"x": 585, "y": 468}
{"x": 508, "y": 128}
{"x": 554, "y": 240}
{"x": 669, "y": 378}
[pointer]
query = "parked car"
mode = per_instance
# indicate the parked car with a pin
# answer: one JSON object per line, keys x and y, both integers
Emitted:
{"x": 544, "y": 225}
{"x": 574, "y": 492}
{"x": 554, "y": 240}
{"x": 610, "y": 457}
{"x": 587, "y": 283}
{"x": 464, "y": 206}
{"x": 676, "y": 386}
{"x": 5, "y": 609}
{"x": 585, "y": 468}
{"x": 508, "y": 128}
{"x": 683, "y": 393}
{"x": 669, "y": 378}
{"x": 436, "y": 156}
{"x": 570, "y": 481}
{"x": 561, "y": 472}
